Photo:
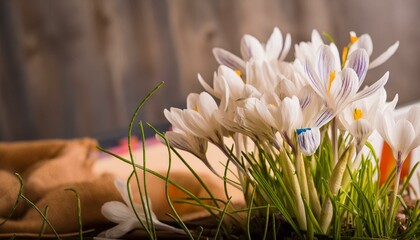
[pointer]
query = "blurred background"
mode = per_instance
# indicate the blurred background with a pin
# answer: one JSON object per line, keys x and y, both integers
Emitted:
{"x": 79, "y": 68}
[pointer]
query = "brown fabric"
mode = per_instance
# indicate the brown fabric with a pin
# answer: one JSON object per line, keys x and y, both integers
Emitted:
{"x": 48, "y": 168}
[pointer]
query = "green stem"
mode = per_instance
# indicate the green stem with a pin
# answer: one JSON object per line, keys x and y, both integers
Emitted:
{"x": 334, "y": 140}
{"x": 395, "y": 191}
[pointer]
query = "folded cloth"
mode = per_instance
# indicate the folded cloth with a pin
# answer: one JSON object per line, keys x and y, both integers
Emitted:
{"x": 48, "y": 168}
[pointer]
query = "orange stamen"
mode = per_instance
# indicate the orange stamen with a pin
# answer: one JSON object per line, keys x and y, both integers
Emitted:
{"x": 332, "y": 77}
{"x": 237, "y": 71}
{"x": 353, "y": 38}
{"x": 357, "y": 114}
{"x": 344, "y": 56}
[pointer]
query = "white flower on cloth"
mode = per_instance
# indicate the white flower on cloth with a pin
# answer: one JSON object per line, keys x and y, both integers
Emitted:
{"x": 402, "y": 135}
{"x": 123, "y": 215}
{"x": 339, "y": 88}
{"x": 365, "y": 42}
{"x": 253, "y": 50}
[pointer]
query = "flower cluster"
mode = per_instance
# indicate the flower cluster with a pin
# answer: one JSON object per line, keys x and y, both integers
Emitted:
{"x": 288, "y": 109}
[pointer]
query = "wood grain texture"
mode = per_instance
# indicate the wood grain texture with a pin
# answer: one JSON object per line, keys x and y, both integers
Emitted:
{"x": 79, "y": 68}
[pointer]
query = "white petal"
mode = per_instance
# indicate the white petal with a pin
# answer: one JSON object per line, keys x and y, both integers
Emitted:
{"x": 413, "y": 116}
{"x": 122, "y": 229}
{"x": 359, "y": 62}
{"x": 206, "y": 105}
{"x": 192, "y": 100}
{"x": 117, "y": 212}
{"x": 324, "y": 117}
{"x": 325, "y": 64}
{"x": 274, "y": 45}
{"x": 313, "y": 80}
{"x": 286, "y": 47}
{"x": 122, "y": 188}
{"x": 309, "y": 140}
{"x": 373, "y": 88}
{"x": 384, "y": 56}
{"x": 228, "y": 59}
{"x": 361, "y": 129}
{"x": 207, "y": 86}
{"x": 251, "y": 48}
{"x": 403, "y": 136}
{"x": 343, "y": 89}
{"x": 365, "y": 42}
{"x": 316, "y": 38}
{"x": 192, "y": 144}
{"x": 385, "y": 127}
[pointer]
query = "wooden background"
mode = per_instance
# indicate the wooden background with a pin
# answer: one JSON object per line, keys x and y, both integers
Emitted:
{"x": 79, "y": 68}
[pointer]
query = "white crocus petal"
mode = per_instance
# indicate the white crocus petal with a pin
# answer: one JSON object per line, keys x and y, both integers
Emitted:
{"x": 207, "y": 87}
{"x": 122, "y": 189}
{"x": 316, "y": 38}
{"x": 360, "y": 129}
{"x": 286, "y": 47}
{"x": 228, "y": 59}
{"x": 251, "y": 48}
{"x": 117, "y": 212}
{"x": 195, "y": 145}
{"x": 309, "y": 140}
{"x": 324, "y": 117}
{"x": 413, "y": 116}
{"x": 384, "y": 56}
{"x": 206, "y": 105}
{"x": 285, "y": 88}
{"x": 385, "y": 126}
{"x": 404, "y": 135}
{"x": 336, "y": 54}
{"x": 274, "y": 45}
{"x": 324, "y": 65}
{"x": 342, "y": 89}
{"x": 365, "y": 42}
{"x": 175, "y": 117}
{"x": 234, "y": 82}
{"x": 314, "y": 81}
{"x": 125, "y": 217}
{"x": 359, "y": 62}
{"x": 287, "y": 116}
{"x": 121, "y": 229}
{"x": 372, "y": 88}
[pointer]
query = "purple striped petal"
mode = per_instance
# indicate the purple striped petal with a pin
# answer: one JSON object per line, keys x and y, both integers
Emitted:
{"x": 373, "y": 88}
{"x": 228, "y": 59}
{"x": 359, "y": 62}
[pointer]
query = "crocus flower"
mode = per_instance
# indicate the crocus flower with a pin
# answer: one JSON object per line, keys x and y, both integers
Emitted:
{"x": 198, "y": 119}
{"x": 359, "y": 118}
{"x": 365, "y": 42}
{"x": 402, "y": 135}
{"x": 339, "y": 88}
{"x": 253, "y": 50}
{"x": 123, "y": 214}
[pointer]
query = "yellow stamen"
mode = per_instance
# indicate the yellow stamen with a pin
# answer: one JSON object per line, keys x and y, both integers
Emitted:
{"x": 353, "y": 38}
{"x": 238, "y": 72}
{"x": 332, "y": 77}
{"x": 358, "y": 114}
{"x": 196, "y": 108}
{"x": 344, "y": 56}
